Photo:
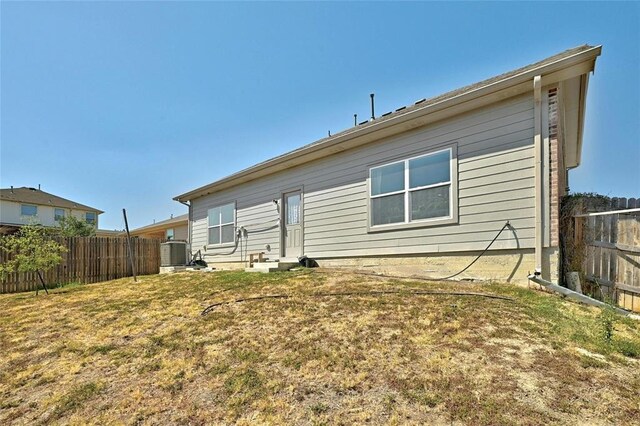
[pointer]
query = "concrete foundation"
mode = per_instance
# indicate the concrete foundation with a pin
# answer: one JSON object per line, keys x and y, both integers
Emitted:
{"x": 172, "y": 269}
{"x": 508, "y": 266}
{"x": 228, "y": 266}
{"x": 551, "y": 264}
{"x": 504, "y": 266}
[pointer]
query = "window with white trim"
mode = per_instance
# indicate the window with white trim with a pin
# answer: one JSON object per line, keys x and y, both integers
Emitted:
{"x": 58, "y": 214}
{"x": 417, "y": 189}
{"x": 28, "y": 210}
{"x": 169, "y": 234}
{"x": 222, "y": 224}
{"x": 90, "y": 217}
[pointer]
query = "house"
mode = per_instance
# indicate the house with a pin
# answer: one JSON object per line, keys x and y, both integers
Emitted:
{"x": 174, "y": 228}
{"x": 20, "y": 206}
{"x": 110, "y": 233}
{"x": 422, "y": 189}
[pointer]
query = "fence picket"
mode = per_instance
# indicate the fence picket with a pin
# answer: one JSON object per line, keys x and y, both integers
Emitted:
{"x": 90, "y": 260}
{"x": 612, "y": 253}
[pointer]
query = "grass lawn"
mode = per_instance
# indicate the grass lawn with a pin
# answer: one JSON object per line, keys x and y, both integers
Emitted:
{"x": 125, "y": 353}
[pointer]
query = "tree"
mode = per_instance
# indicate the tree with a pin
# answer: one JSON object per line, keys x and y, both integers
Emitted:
{"x": 30, "y": 250}
{"x": 71, "y": 226}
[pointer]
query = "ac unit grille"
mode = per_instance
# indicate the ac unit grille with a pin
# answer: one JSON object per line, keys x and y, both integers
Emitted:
{"x": 173, "y": 253}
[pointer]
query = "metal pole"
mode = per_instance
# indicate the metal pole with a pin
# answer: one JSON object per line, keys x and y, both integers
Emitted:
{"x": 42, "y": 282}
{"x": 126, "y": 225}
{"x": 373, "y": 113}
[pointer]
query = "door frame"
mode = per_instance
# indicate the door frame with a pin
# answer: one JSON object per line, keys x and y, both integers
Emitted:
{"x": 283, "y": 219}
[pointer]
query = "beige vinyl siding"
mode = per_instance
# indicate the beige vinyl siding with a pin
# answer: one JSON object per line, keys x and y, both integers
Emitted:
{"x": 495, "y": 184}
{"x": 10, "y": 213}
{"x": 180, "y": 232}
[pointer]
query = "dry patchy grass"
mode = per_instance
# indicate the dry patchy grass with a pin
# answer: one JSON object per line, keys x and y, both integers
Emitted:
{"x": 126, "y": 353}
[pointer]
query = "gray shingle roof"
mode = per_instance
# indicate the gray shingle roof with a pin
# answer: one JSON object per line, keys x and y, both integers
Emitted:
{"x": 162, "y": 223}
{"x": 422, "y": 104}
{"x": 39, "y": 197}
{"x": 426, "y": 102}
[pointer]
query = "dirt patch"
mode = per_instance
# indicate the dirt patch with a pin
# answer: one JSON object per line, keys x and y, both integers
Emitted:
{"x": 120, "y": 352}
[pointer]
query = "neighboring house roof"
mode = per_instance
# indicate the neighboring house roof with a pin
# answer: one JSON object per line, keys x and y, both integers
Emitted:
{"x": 423, "y": 111}
{"x": 39, "y": 197}
{"x": 164, "y": 224}
{"x": 108, "y": 233}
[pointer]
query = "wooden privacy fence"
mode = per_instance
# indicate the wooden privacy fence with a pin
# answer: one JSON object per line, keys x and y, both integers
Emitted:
{"x": 90, "y": 260}
{"x": 612, "y": 253}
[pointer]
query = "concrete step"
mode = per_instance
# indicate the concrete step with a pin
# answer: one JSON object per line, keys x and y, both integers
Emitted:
{"x": 266, "y": 267}
{"x": 172, "y": 269}
{"x": 289, "y": 260}
{"x": 261, "y": 270}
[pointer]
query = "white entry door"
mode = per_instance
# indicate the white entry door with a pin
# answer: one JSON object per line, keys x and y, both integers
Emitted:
{"x": 292, "y": 229}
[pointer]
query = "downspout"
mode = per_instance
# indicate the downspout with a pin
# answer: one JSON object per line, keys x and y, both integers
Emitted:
{"x": 579, "y": 297}
{"x": 539, "y": 178}
{"x": 188, "y": 223}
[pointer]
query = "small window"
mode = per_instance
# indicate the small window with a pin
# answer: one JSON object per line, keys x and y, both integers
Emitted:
{"x": 90, "y": 217}
{"x": 416, "y": 189}
{"x": 293, "y": 209}
{"x": 170, "y": 235}
{"x": 222, "y": 224}
{"x": 28, "y": 210}
{"x": 58, "y": 214}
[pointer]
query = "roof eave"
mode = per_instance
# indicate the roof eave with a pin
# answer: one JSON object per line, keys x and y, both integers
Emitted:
{"x": 552, "y": 71}
{"x": 161, "y": 225}
{"x": 152, "y": 228}
{"x": 583, "y": 107}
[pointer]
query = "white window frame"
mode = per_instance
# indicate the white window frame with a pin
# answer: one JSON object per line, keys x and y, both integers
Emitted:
{"x": 56, "y": 216}
{"x": 171, "y": 237}
{"x": 28, "y": 215}
{"x": 220, "y": 225}
{"x": 451, "y": 218}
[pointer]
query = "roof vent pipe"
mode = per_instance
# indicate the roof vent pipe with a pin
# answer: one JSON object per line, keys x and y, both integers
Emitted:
{"x": 373, "y": 114}
{"x": 355, "y": 119}
{"x": 12, "y": 189}
{"x": 38, "y": 187}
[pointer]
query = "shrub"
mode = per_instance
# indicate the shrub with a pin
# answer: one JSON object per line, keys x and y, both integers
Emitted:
{"x": 607, "y": 320}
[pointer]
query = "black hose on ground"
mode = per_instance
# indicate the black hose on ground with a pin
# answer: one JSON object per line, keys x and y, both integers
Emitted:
{"x": 360, "y": 293}
{"x": 506, "y": 225}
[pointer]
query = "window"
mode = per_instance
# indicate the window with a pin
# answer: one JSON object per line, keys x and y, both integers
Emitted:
{"x": 28, "y": 210}
{"x": 58, "y": 214}
{"x": 293, "y": 209}
{"x": 170, "y": 234}
{"x": 90, "y": 217}
{"x": 222, "y": 223}
{"x": 412, "y": 190}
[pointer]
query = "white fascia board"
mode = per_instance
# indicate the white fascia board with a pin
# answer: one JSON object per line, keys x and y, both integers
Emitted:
{"x": 520, "y": 83}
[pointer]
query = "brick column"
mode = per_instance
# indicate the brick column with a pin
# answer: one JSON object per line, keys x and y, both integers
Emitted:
{"x": 557, "y": 172}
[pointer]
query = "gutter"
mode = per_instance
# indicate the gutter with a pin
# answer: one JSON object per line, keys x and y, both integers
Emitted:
{"x": 188, "y": 222}
{"x": 579, "y": 297}
{"x": 511, "y": 83}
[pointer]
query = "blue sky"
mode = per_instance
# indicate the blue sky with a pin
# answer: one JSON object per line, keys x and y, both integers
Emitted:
{"x": 129, "y": 104}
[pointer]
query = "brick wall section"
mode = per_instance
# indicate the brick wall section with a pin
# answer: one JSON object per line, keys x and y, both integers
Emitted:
{"x": 557, "y": 172}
